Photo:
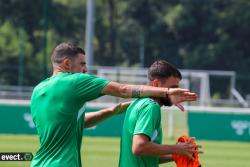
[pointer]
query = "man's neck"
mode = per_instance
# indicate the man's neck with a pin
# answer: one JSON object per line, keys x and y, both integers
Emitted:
{"x": 56, "y": 73}
{"x": 57, "y": 70}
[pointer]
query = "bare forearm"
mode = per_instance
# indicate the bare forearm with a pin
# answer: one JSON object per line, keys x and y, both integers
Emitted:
{"x": 143, "y": 147}
{"x": 146, "y": 91}
{"x": 165, "y": 159}
{"x": 152, "y": 149}
{"x": 134, "y": 91}
{"x": 93, "y": 118}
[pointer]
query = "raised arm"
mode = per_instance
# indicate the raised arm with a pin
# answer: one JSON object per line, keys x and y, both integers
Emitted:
{"x": 94, "y": 118}
{"x": 135, "y": 91}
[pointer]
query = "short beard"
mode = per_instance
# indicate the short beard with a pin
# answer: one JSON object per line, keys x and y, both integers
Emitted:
{"x": 165, "y": 101}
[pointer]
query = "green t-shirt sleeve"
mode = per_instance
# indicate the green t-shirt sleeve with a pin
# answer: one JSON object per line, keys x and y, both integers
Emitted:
{"x": 148, "y": 120}
{"x": 89, "y": 87}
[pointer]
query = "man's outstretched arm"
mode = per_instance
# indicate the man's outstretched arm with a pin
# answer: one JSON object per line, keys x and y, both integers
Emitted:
{"x": 94, "y": 118}
{"x": 135, "y": 91}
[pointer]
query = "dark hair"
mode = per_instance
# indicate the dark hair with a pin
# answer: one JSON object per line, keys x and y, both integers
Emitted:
{"x": 65, "y": 50}
{"x": 161, "y": 69}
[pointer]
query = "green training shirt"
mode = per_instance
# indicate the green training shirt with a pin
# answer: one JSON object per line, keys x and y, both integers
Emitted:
{"x": 57, "y": 108}
{"x": 142, "y": 117}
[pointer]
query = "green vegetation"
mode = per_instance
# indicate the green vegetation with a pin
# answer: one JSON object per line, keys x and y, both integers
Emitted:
{"x": 105, "y": 151}
{"x": 190, "y": 34}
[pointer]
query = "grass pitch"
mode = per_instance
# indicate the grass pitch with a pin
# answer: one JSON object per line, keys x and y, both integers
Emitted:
{"x": 98, "y": 151}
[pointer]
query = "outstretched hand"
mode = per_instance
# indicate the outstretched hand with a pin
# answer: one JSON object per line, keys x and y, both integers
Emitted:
{"x": 178, "y": 95}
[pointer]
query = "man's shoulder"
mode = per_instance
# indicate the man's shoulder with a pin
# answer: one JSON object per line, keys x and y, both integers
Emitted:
{"x": 63, "y": 78}
{"x": 147, "y": 102}
{"x": 40, "y": 85}
{"x": 72, "y": 77}
{"x": 77, "y": 75}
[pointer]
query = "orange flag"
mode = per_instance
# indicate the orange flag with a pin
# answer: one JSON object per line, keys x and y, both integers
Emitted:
{"x": 184, "y": 161}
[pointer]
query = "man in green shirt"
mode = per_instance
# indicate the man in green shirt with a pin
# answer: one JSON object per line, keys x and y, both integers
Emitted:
{"x": 141, "y": 143}
{"x": 57, "y": 105}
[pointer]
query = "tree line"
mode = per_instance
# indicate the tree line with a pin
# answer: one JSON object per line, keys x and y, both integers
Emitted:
{"x": 191, "y": 34}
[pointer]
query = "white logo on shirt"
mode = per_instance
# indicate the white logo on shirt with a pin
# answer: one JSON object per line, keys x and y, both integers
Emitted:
{"x": 155, "y": 134}
{"x": 81, "y": 111}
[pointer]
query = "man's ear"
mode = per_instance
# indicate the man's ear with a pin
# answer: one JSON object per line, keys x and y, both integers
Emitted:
{"x": 156, "y": 83}
{"x": 67, "y": 64}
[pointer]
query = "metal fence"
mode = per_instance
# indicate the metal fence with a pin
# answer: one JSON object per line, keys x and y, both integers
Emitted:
{"x": 196, "y": 80}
